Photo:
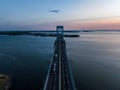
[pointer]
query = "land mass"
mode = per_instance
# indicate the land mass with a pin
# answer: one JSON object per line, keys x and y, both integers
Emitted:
{"x": 4, "y": 82}
{"x": 43, "y": 34}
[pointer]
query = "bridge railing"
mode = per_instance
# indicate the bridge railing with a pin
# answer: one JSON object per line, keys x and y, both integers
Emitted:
{"x": 48, "y": 73}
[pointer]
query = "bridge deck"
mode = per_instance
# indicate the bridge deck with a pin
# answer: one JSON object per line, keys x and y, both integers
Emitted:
{"x": 59, "y": 75}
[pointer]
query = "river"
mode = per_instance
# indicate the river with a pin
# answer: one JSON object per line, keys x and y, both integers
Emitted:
{"x": 94, "y": 58}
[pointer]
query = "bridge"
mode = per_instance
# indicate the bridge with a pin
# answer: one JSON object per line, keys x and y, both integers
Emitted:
{"x": 59, "y": 75}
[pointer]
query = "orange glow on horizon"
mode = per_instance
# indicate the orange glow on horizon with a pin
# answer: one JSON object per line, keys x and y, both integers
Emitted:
{"x": 99, "y": 24}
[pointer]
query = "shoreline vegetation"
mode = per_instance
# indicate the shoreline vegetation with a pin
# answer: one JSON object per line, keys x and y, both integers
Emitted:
{"x": 5, "y": 82}
{"x": 42, "y": 34}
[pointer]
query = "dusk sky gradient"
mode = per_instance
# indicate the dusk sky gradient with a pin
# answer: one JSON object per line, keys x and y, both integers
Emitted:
{"x": 73, "y": 14}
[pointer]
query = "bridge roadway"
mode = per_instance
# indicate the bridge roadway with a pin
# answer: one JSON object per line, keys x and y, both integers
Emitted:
{"x": 59, "y": 76}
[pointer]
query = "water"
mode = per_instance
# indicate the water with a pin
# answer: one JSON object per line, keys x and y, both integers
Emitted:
{"x": 26, "y": 60}
{"x": 94, "y": 58}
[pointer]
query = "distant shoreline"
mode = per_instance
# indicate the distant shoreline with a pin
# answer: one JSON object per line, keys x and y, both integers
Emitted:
{"x": 66, "y": 31}
{"x": 42, "y": 34}
{"x": 52, "y": 33}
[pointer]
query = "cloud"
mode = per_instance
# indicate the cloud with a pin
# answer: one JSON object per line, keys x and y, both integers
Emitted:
{"x": 54, "y": 11}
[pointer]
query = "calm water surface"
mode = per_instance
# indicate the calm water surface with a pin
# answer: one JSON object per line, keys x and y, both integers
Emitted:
{"x": 94, "y": 58}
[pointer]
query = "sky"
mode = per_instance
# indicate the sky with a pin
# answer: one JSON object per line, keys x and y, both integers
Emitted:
{"x": 72, "y": 14}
